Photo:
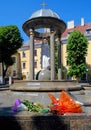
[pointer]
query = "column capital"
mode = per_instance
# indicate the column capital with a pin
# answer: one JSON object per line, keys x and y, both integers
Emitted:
{"x": 31, "y": 32}
{"x": 52, "y": 30}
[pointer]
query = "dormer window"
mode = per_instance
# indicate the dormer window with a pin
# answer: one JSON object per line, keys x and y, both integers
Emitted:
{"x": 69, "y": 33}
{"x": 88, "y": 31}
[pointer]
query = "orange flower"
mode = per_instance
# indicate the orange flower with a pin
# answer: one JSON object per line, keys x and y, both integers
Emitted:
{"x": 65, "y": 104}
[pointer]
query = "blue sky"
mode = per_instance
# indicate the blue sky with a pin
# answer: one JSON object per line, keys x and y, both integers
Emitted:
{"x": 16, "y": 12}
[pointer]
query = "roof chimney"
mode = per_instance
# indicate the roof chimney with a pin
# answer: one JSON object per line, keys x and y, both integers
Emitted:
{"x": 71, "y": 24}
{"x": 82, "y": 21}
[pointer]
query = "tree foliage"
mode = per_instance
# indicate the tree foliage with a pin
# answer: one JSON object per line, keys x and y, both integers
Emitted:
{"x": 76, "y": 53}
{"x": 10, "y": 42}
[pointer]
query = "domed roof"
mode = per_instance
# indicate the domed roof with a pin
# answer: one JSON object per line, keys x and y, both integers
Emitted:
{"x": 44, "y": 13}
{"x": 44, "y": 18}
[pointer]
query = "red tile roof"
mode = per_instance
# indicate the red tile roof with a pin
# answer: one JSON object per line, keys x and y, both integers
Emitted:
{"x": 82, "y": 29}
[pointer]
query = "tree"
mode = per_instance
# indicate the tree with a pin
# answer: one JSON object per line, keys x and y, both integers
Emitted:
{"x": 10, "y": 42}
{"x": 76, "y": 53}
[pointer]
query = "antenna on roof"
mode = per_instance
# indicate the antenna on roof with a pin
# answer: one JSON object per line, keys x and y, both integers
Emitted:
{"x": 43, "y": 5}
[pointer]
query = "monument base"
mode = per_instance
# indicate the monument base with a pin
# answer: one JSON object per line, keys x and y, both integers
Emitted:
{"x": 45, "y": 86}
{"x": 27, "y": 121}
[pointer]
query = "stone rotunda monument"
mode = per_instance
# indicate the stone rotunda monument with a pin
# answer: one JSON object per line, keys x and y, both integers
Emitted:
{"x": 48, "y": 20}
{"x": 44, "y": 24}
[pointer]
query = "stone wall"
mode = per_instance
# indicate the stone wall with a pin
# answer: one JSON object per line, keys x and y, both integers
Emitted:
{"x": 23, "y": 121}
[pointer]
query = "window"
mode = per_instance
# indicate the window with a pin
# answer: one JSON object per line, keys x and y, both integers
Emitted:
{"x": 23, "y": 65}
{"x": 35, "y": 64}
{"x": 14, "y": 59}
{"x": 14, "y": 73}
{"x": 35, "y": 52}
{"x": 23, "y": 54}
{"x": 67, "y": 62}
{"x": 69, "y": 33}
{"x": 88, "y": 31}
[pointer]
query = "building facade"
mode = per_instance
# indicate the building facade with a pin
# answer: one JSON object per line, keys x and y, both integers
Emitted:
{"x": 25, "y": 55}
{"x": 15, "y": 69}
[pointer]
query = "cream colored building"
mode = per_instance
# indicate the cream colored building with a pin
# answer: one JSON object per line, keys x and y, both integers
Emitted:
{"x": 15, "y": 69}
{"x": 25, "y": 55}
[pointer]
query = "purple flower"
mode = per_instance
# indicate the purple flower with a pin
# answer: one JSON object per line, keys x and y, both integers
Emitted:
{"x": 16, "y": 104}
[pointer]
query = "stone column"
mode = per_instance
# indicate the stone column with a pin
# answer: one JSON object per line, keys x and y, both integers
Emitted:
{"x": 31, "y": 54}
{"x": 1, "y": 73}
{"x": 52, "y": 52}
{"x": 59, "y": 59}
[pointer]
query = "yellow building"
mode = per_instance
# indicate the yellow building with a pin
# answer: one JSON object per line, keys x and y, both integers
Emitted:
{"x": 25, "y": 55}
